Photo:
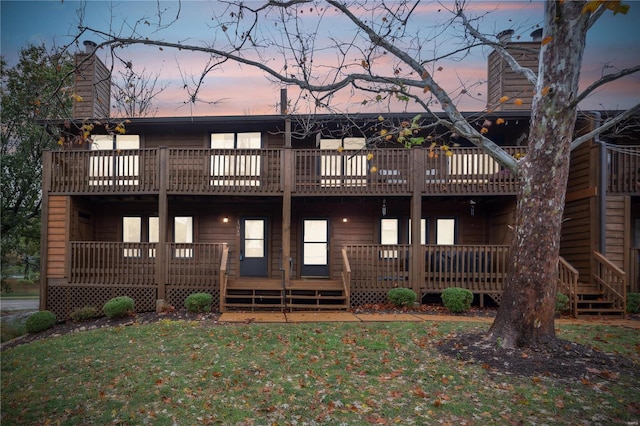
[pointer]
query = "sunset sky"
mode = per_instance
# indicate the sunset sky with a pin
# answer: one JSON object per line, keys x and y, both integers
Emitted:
{"x": 614, "y": 41}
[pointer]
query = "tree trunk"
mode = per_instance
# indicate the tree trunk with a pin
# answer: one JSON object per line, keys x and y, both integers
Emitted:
{"x": 526, "y": 314}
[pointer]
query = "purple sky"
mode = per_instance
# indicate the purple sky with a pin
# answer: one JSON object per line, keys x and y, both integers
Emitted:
{"x": 614, "y": 41}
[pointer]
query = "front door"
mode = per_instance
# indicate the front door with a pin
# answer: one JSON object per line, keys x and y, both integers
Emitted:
{"x": 253, "y": 247}
{"x": 315, "y": 248}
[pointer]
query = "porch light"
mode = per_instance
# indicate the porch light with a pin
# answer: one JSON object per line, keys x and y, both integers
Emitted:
{"x": 225, "y": 219}
{"x": 345, "y": 220}
{"x": 472, "y": 204}
{"x": 384, "y": 207}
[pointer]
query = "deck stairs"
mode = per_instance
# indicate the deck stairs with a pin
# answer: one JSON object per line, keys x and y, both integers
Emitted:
{"x": 263, "y": 294}
{"x": 590, "y": 301}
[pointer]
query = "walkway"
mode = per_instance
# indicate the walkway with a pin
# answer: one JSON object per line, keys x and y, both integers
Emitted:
{"x": 300, "y": 317}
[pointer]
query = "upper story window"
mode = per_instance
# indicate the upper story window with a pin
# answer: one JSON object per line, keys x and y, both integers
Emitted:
{"x": 240, "y": 168}
{"x": 121, "y": 167}
{"x": 343, "y": 162}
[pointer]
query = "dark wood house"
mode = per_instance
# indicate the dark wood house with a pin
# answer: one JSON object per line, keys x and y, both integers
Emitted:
{"x": 250, "y": 211}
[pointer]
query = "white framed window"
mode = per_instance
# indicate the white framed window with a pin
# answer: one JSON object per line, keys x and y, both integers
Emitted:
{"x": 121, "y": 166}
{"x": 183, "y": 234}
{"x": 131, "y": 233}
{"x": 235, "y": 168}
{"x": 445, "y": 231}
{"x": 389, "y": 231}
{"x": 346, "y": 168}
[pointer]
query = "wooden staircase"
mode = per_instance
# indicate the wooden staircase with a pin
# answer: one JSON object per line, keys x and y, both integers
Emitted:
{"x": 263, "y": 294}
{"x": 590, "y": 301}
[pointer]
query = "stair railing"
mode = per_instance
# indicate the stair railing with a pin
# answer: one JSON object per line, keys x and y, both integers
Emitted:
{"x": 568, "y": 283}
{"x": 346, "y": 277}
{"x": 223, "y": 277}
{"x": 611, "y": 281}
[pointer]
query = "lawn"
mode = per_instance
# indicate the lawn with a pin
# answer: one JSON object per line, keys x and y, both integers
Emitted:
{"x": 185, "y": 373}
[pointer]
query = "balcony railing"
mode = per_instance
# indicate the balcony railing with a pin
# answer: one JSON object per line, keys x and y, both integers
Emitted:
{"x": 118, "y": 171}
{"x": 623, "y": 173}
{"x": 479, "y": 268}
{"x": 263, "y": 171}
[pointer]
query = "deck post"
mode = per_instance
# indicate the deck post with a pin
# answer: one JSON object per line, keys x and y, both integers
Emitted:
{"x": 163, "y": 211}
{"x": 44, "y": 219}
{"x": 416, "y": 271}
{"x": 287, "y": 170}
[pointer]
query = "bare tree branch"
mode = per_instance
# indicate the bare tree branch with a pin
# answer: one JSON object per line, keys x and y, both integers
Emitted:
{"x": 605, "y": 126}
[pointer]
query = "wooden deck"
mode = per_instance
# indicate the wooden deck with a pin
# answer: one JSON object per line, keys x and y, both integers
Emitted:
{"x": 469, "y": 171}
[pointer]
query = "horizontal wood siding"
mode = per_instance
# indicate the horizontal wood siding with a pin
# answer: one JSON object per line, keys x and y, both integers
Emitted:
{"x": 93, "y": 86}
{"x": 579, "y": 237}
{"x": 617, "y": 230}
{"x": 57, "y": 219}
{"x": 503, "y": 81}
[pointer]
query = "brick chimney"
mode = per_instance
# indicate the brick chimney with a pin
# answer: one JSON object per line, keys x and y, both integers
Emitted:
{"x": 92, "y": 84}
{"x": 502, "y": 81}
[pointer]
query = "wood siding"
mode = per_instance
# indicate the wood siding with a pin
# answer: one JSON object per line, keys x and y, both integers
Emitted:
{"x": 57, "y": 222}
{"x": 503, "y": 81}
{"x": 93, "y": 86}
{"x": 618, "y": 230}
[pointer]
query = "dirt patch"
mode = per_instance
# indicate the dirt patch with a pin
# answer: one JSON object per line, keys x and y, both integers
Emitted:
{"x": 562, "y": 359}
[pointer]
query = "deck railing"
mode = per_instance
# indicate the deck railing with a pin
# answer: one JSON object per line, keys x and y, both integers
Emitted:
{"x": 113, "y": 171}
{"x": 122, "y": 264}
{"x": 223, "y": 276}
{"x": 568, "y": 283}
{"x": 194, "y": 264}
{"x": 479, "y": 268}
{"x": 261, "y": 171}
{"x": 225, "y": 170}
{"x": 623, "y": 174}
{"x": 346, "y": 276}
{"x": 611, "y": 281}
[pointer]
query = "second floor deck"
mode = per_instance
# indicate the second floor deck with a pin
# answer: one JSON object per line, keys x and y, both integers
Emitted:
{"x": 304, "y": 172}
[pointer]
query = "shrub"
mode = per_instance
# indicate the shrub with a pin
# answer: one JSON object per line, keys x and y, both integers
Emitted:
{"x": 118, "y": 307}
{"x": 401, "y": 296}
{"x": 40, "y": 321}
{"x": 457, "y": 299}
{"x": 199, "y": 302}
{"x": 562, "y": 302}
{"x": 633, "y": 303}
{"x": 84, "y": 314}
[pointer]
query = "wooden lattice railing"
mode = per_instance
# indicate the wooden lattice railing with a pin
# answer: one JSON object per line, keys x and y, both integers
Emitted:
{"x": 611, "y": 281}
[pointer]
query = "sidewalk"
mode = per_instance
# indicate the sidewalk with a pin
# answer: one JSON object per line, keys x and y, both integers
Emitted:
{"x": 300, "y": 317}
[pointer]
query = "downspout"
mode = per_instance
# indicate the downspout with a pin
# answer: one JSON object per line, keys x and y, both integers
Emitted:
{"x": 602, "y": 184}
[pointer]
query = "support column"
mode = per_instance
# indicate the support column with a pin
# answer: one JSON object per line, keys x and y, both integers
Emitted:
{"x": 286, "y": 169}
{"x": 416, "y": 273}
{"x": 44, "y": 235}
{"x": 163, "y": 223}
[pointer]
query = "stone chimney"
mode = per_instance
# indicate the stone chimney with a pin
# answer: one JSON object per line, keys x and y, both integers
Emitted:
{"x": 92, "y": 84}
{"x": 502, "y": 81}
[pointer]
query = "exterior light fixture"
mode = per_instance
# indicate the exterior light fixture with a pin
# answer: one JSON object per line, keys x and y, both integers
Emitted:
{"x": 345, "y": 220}
{"x": 384, "y": 207}
{"x": 472, "y": 204}
{"x": 225, "y": 219}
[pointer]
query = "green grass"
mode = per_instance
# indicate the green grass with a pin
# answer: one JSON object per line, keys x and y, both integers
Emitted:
{"x": 175, "y": 372}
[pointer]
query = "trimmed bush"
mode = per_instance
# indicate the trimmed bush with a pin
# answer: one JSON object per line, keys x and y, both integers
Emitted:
{"x": 40, "y": 321}
{"x": 562, "y": 302}
{"x": 199, "y": 302}
{"x": 401, "y": 296}
{"x": 633, "y": 303}
{"x": 118, "y": 307}
{"x": 84, "y": 314}
{"x": 457, "y": 299}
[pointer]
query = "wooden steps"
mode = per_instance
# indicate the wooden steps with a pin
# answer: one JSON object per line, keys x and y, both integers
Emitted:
{"x": 268, "y": 294}
{"x": 593, "y": 302}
